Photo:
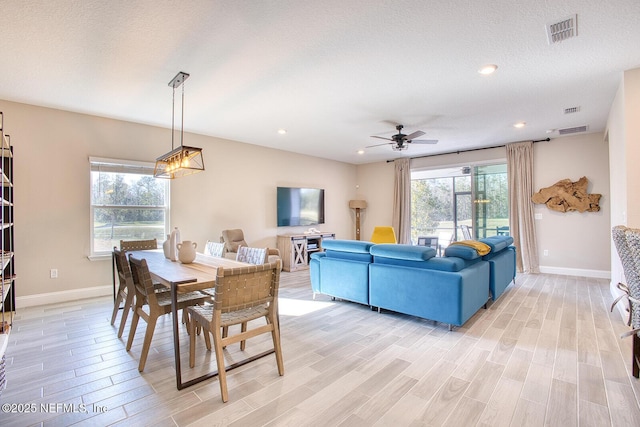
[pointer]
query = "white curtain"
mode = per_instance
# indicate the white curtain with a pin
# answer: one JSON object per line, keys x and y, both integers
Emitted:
{"x": 402, "y": 201}
{"x": 523, "y": 231}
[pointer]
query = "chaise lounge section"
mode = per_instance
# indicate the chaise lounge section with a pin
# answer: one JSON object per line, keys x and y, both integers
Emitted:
{"x": 411, "y": 280}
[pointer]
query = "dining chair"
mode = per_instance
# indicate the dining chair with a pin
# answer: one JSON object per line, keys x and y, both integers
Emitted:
{"x": 158, "y": 304}
{"x": 126, "y": 290}
{"x": 215, "y": 249}
{"x": 138, "y": 245}
{"x": 243, "y": 294}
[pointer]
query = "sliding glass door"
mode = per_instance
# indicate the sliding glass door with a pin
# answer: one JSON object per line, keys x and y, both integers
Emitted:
{"x": 442, "y": 200}
{"x": 491, "y": 202}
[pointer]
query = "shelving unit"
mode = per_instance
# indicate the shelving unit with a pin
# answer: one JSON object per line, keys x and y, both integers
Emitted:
{"x": 296, "y": 249}
{"x": 7, "y": 262}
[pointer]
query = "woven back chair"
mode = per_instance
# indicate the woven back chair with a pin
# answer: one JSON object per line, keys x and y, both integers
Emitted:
{"x": 138, "y": 245}
{"x": 627, "y": 242}
{"x": 126, "y": 290}
{"x": 158, "y": 304}
{"x": 215, "y": 249}
{"x": 242, "y": 294}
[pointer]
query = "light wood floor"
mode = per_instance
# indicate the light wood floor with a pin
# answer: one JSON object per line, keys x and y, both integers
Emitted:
{"x": 547, "y": 353}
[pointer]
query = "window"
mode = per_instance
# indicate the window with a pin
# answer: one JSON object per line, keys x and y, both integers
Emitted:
{"x": 127, "y": 203}
{"x": 442, "y": 200}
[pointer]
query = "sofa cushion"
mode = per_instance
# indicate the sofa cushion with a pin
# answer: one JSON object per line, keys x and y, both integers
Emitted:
{"x": 451, "y": 264}
{"x": 355, "y": 246}
{"x": 461, "y": 251}
{"x": 497, "y": 243}
{"x": 403, "y": 252}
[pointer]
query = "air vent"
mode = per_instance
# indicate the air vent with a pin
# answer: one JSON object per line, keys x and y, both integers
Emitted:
{"x": 563, "y": 29}
{"x": 571, "y": 110}
{"x": 577, "y": 129}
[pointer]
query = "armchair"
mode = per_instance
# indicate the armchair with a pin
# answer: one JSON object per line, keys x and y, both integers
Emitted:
{"x": 234, "y": 238}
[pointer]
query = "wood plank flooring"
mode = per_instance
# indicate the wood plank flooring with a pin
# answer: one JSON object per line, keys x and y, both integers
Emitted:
{"x": 547, "y": 352}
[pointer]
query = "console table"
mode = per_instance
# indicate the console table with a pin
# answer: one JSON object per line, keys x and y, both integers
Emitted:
{"x": 295, "y": 249}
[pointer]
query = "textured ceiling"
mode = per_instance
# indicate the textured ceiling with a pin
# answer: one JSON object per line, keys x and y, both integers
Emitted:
{"x": 332, "y": 73}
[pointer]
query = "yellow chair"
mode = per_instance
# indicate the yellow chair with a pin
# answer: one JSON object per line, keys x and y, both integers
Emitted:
{"x": 383, "y": 235}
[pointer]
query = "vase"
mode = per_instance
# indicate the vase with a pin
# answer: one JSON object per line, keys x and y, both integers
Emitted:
{"x": 173, "y": 244}
{"x": 187, "y": 251}
{"x": 165, "y": 246}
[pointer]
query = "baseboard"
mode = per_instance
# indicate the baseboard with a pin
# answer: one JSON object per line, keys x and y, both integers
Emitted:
{"x": 63, "y": 296}
{"x": 580, "y": 272}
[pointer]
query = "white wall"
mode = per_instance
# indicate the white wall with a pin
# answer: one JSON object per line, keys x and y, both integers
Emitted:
{"x": 577, "y": 243}
{"x": 51, "y": 174}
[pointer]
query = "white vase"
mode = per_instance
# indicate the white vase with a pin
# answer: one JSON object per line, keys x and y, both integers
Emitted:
{"x": 165, "y": 246}
{"x": 173, "y": 244}
{"x": 187, "y": 251}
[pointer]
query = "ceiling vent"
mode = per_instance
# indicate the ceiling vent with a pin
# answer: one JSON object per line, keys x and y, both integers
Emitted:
{"x": 571, "y": 110}
{"x": 577, "y": 129}
{"x": 561, "y": 30}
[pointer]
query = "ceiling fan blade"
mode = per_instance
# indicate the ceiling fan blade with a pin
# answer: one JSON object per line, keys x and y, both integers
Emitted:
{"x": 413, "y": 135}
{"x": 424, "y": 141}
{"x": 378, "y": 145}
{"x": 381, "y": 137}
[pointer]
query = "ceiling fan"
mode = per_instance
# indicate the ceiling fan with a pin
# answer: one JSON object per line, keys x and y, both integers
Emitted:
{"x": 399, "y": 141}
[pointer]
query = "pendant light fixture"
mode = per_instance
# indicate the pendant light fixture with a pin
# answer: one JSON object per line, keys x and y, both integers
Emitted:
{"x": 183, "y": 160}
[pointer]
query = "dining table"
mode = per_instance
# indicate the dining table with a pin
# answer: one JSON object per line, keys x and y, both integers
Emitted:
{"x": 195, "y": 276}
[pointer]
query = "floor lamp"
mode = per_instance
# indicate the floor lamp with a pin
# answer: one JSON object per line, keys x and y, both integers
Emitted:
{"x": 357, "y": 205}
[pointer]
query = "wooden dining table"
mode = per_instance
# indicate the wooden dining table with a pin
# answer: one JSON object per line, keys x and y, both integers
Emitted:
{"x": 179, "y": 278}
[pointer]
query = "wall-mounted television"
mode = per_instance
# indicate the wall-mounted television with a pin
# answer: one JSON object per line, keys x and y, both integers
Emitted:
{"x": 300, "y": 206}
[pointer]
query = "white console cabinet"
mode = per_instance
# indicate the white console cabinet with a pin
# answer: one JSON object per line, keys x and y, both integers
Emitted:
{"x": 295, "y": 249}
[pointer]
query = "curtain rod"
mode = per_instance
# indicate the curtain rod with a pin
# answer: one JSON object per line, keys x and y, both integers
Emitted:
{"x": 471, "y": 149}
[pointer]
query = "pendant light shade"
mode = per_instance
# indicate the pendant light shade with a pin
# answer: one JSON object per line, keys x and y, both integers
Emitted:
{"x": 183, "y": 160}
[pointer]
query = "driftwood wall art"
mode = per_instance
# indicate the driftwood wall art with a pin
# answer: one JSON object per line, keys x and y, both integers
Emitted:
{"x": 567, "y": 196}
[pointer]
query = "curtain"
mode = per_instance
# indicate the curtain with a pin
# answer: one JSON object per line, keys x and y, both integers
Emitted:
{"x": 523, "y": 231}
{"x": 402, "y": 201}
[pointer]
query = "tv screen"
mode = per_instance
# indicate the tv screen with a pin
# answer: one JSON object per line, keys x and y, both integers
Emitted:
{"x": 300, "y": 206}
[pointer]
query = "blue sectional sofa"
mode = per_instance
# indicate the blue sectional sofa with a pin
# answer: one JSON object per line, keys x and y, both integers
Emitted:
{"x": 502, "y": 261}
{"x": 411, "y": 279}
{"x": 342, "y": 270}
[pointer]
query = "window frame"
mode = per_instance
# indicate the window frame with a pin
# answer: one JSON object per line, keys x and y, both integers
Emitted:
{"x": 130, "y": 167}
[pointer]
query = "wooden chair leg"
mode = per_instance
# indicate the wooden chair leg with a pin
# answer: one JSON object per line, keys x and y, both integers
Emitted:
{"x": 243, "y": 328}
{"x": 275, "y": 335}
{"x": 134, "y": 325}
{"x": 125, "y": 314}
{"x": 116, "y": 306}
{"x": 192, "y": 343}
{"x": 222, "y": 374}
{"x": 148, "y": 336}
{"x": 207, "y": 339}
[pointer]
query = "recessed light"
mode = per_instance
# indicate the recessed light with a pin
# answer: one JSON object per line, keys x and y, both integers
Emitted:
{"x": 282, "y": 131}
{"x": 488, "y": 69}
{"x": 360, "y": 151}
{"x": 519, "y": 125}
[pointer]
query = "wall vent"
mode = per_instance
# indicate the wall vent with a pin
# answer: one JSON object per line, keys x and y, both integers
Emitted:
{"x": 571, "y": 110}
{"x": 577, "y": 129}
{"x": 561, "y": 30}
